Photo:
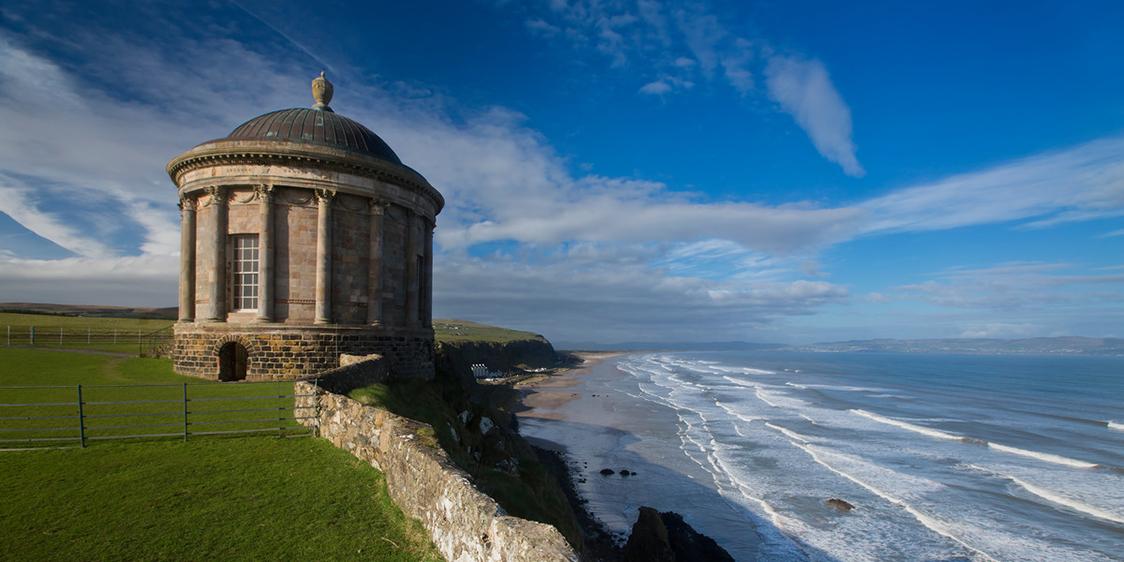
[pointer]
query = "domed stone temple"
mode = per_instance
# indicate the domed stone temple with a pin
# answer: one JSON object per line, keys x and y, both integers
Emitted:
{"x": 303, "y": 236}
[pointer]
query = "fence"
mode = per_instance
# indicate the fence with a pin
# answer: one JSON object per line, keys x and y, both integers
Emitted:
{"x": 78, "y": 415}
{"x": 143, "y": 342}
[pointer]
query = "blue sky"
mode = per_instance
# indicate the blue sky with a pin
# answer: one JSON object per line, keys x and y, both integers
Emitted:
{"x": 635, "y": 170}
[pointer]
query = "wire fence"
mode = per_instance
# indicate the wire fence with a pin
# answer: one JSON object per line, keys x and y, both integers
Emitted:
{"x": 79, "y": 415}
{"x": 143, "y": 342}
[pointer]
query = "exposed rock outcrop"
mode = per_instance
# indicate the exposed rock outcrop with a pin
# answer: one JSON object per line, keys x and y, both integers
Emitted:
{"x": 665, "y": 537}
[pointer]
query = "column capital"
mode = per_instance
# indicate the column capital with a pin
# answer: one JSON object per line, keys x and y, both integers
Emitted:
{"x": 325, "y": 195}
{"x": 264, "y": 190}
{"x": 377, "y": 206}
{"x": 187, "y": 203}
{"x": 218, "y": 195}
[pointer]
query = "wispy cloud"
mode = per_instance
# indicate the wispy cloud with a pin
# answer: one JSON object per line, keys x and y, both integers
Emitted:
{"x": 804, "y": 89}
{"x": 678, "y": 44}
{"x": 609, "y": 256}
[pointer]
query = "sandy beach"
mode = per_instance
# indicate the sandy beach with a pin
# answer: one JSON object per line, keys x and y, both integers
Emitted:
{"x": 543, "y": 395}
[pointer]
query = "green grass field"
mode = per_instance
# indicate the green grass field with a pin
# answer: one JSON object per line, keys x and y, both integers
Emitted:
{"x": 215, "y": 497}
{"x": 123, "y": 335}
{"x": 463, "y": 330}
{"x": 151, "y": 392}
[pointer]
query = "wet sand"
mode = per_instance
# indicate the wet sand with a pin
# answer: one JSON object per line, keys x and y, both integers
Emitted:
{"x": 543, "y": 395}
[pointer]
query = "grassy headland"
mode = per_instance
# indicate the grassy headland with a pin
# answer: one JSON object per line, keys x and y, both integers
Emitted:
{"x": 206, "y": 498}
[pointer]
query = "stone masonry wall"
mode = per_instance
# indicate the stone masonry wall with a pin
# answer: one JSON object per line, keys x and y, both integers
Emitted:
{"x": 465, "y": 524}
{"x": 287, "y": 353}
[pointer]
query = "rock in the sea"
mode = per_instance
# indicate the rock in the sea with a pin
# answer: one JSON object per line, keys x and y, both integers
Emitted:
{"x": 839, "y": 504}
{"x": 607, "y": 472}
{"x": 665, "y": 537}
{"x": 626, "y": 472}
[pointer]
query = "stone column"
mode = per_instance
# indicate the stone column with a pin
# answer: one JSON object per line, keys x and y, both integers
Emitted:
{"x": 324, "y": 256}
{"x": 217, "y": 275}
{"x": 265, "y": 254}
{"x": 427, "y": 291}
{"x": 187, "y": 259}
{"x": 411, "y": 268}
{"x": 375, "y": 263}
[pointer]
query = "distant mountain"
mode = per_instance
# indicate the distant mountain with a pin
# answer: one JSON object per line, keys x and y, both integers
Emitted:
{"x": 670, "y": 346}
{"x": 990, "y": 346}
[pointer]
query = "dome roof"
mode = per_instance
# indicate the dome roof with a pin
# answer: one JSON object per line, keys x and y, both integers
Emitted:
{"x": 319, "y": 126}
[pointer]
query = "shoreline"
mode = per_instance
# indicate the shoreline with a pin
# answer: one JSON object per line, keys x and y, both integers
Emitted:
{"x": 540, "y": 396}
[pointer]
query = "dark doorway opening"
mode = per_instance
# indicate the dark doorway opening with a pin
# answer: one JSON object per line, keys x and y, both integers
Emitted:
{"x": 232, "y": 362}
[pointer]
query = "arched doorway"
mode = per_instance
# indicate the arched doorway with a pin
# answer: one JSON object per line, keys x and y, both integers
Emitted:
{"x": 232, "y": 361}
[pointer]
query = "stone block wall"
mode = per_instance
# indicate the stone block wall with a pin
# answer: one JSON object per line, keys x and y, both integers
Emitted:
{"x": 280, "y": 352}
{"x": 294, "y": 258}
{"x": 465, "y": 524}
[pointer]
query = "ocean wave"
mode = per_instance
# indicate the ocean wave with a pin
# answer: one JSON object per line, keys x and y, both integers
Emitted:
{"x": 805, "y": 386}
{"x": 818, "y": 455}
{"x": 1046, "y": 457}
{"x": 760, "y": 394}
{"x": 928, "y": 431}
{"x": 740, "y": 382}
{"x": 1054, "y": 497}
{"x": 1114, "y": 425}
{"x": 908, "y": 426}
{"x": 789, "y": 433}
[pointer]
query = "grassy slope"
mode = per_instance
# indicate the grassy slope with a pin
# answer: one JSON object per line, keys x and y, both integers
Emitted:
{"x": 46, "y": 322}
{"x": 249, "y": 498}
{"x": 463, "y": 330}
{"x": 79, "y": 332}
{"x": 208, "y": 498}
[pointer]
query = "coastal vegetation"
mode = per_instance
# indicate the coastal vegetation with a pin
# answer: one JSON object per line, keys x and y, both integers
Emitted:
{"x": 465, "y": 331}
{"x": 481, "y": 441}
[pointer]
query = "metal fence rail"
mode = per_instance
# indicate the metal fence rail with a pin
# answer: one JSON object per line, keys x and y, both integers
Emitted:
{"x": 146, "y": 343}
{"x": 74, "y": 416}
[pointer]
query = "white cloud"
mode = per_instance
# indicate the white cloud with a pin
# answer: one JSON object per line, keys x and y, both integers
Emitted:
{"x": 694, "y": 45}
{"x": 804, "y": 89}
{"x": 614, "y": 256}
{"x": 656, "y": 88}
{"x": 1080, "y": 183}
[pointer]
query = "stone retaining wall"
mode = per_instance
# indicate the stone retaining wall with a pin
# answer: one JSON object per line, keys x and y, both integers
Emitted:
{"x": 464, "y": 523}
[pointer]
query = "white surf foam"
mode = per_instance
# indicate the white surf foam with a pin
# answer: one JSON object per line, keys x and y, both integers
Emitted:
{"x": 761, "y": 396}
{"x": 844, "y": 388}
{"x": 931, "y": 523}
{"x": 789, "y": 433}
{"x": 741, "y": 382}
{"x": 1115, "y": 425}
{"x": 908, "y": 426}
{"x": 1047, "y": 457}
{"x": 1054, "y": 497}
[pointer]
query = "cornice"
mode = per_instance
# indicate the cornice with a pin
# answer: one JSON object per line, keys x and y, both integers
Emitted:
{"x": 224, "y": 152}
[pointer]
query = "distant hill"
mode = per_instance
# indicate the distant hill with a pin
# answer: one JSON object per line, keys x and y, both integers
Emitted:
{"x": 168, "y": 313}
{"x": 990, "y": 346}
{"x": 448, "y": 330}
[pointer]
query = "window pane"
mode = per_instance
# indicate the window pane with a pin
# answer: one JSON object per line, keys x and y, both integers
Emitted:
{"x": 244, "y": 271}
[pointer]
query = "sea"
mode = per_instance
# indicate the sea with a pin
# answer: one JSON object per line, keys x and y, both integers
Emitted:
{"x": 944, "y": 457}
